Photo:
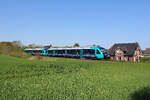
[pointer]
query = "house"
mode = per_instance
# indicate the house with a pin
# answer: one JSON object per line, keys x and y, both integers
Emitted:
{"x": 125, "y": 52}
{"x": 147, "y": 52}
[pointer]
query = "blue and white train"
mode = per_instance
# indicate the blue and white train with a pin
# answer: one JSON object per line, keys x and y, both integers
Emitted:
{"x": 88, "y": 52}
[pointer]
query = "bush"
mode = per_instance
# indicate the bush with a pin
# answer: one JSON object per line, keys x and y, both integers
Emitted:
{"x": 145, "y": 60}
{"x": 142, "y": 94}
{"x": 14, "y": 48}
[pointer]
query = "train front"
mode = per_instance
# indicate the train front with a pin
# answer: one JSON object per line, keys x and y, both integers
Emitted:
{"x": 104, "y": 51}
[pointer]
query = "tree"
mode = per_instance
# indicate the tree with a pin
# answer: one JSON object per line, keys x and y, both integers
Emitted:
{"x": 31, "y": 45}
{"x": 17, "y": 43}
{"x": 76, "y": 45}
{"x": 48, "y": 46}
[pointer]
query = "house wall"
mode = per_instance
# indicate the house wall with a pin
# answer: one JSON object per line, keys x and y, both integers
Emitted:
{"x": 146, "y": 55}
{"x": 137, "y": 55}
{"x": 119, "y": 56}
{"x": 147, "y": 52}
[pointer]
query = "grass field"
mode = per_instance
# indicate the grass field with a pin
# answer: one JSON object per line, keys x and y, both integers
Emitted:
{"x": 71, "y": 79}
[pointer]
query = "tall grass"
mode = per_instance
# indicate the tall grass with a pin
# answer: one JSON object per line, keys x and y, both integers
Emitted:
{"x": 66, "y": 79}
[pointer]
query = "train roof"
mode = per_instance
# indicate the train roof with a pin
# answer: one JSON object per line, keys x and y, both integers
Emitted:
{"x": 74, "y": 48}
{"x": 64, "y": 48}
{"x": 34, "y": 49}
{"x": 68, "y": 48}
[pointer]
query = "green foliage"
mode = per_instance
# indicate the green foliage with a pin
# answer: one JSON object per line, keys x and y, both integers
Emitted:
{"x": 76, "y": 45}
{"x": 67, "y": 79}
{"x": 14, "y": 48}
{"x": 145, "y": 60}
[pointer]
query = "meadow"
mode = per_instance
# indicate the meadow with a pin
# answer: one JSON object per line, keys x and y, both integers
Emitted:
{"x": 72, "y": 79}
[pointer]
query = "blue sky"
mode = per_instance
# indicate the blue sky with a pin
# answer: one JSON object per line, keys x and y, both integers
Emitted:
{"x": 65, "y": 22}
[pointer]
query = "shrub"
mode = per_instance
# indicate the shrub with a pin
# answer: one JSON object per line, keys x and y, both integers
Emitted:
{"x": 142, "y": 94}
{"x": 145, "y": 60}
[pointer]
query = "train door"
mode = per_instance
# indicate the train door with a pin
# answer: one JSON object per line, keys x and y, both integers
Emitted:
{"x": 44, "y": 52}
{"x": 53, "y": 52}
{"x": 81, "y": 53}
{"x": 99, "y": 54}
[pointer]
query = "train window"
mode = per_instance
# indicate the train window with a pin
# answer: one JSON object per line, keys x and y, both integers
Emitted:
{"x": 56, "y": 52}
{"x": 98, "y": 52}
{"x": 63, "y": 51}
{"x": 78, "y": 51}
{"x": 103, "y": 50}
{"x": 89, "y": 51}
{"x": 28, "y": 51}
{"x": 73, "y": 51}
{"x": 40, "y": 51}
{"x": 67, "y": 51}
{"x": 50, "y": 51}
{"x": 86, "y": 51}
{"x": 70, "y": 51}
{"x": 59, "y": 51}
{"x": 92, "y": 51}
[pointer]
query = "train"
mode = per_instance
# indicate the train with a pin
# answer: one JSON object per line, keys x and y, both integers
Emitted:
{"x": 78, "y": 52}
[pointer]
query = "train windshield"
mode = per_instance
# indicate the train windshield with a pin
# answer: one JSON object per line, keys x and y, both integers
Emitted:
{"x": 103, "y": 50}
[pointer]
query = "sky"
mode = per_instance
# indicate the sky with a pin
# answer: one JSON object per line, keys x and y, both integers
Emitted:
{"x": 65, "y": 22}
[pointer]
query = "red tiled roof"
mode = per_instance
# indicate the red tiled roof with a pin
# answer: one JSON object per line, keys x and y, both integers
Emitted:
{"x": 147, "y": 51}
{"x": 129, "y": 48}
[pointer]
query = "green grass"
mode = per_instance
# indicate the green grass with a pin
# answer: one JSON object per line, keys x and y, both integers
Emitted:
{"x": 70, "y": 79}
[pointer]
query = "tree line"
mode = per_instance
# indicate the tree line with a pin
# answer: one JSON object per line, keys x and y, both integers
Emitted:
{"x": 16, "y": 48}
